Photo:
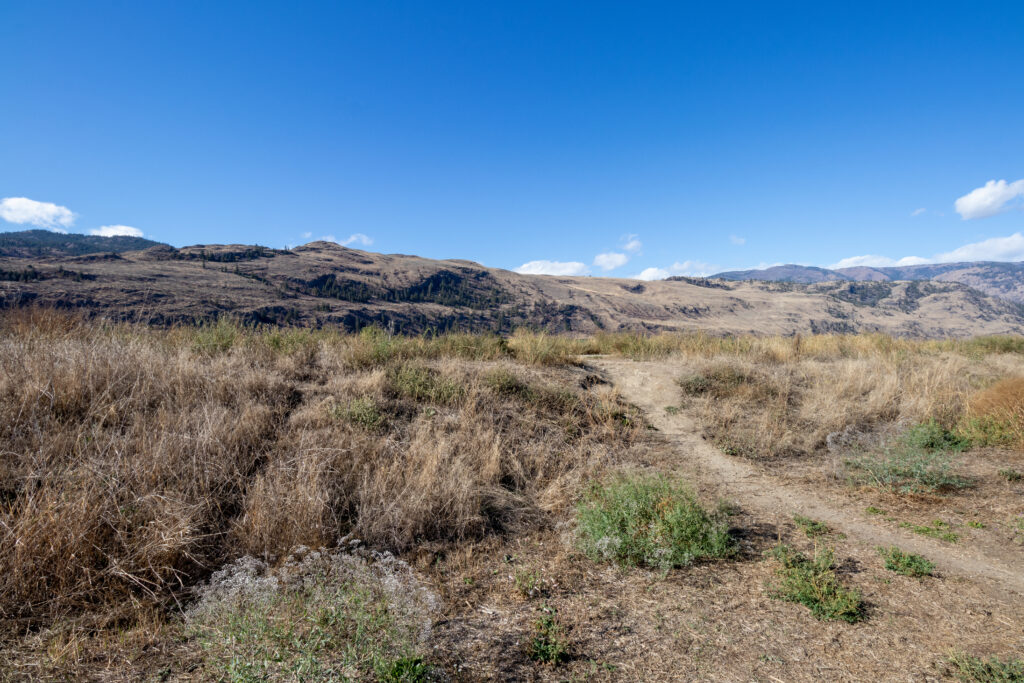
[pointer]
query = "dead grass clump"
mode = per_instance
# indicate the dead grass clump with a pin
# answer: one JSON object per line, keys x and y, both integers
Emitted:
{"x": 134, "y": 461}
{"x": 770, "y": 409}
{"x": 995, "y": 415}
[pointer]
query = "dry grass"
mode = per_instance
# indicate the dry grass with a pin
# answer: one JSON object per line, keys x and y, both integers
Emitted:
{"x": 137, "y": 461}
{"x": 790, "y": 407}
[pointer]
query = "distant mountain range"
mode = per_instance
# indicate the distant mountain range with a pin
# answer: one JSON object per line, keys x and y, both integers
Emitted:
{"x": 27, "y": 243}
{"x": 322, "y": 284}
{"x": 1003, "y": 280}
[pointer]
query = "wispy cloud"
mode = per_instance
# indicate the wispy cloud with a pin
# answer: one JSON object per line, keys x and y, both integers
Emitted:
{"x": 874, "y": 261}
{"x": 738, "y": 241}
{"x": 632, "y": 243}
{"x": 116, "y": 231}
{"x": 691, "y": 268}
{"x": 918, "y": 212}
{"x": 25, "y": 211}
{"x": 543, "y": 267}
{"x": 610, "y": 260}
{"x": 357, "y": 238}
{"x": 307, "y": 235}
{"x": 1009, "y": 248}
{"x": 995, "y": 196}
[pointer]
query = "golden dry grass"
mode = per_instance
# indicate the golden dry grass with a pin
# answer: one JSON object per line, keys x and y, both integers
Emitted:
{"x": 136, "y": 461}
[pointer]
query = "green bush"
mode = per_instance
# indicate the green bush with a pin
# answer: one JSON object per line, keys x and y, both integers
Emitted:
{"x": 907, "y": 470}
{"x": 424, "y": 385}
{"x": 548, "y": 644}
{"x": 812, "y": 582}
{"x": 937, "y": 529}
{"x": 811, "y": 527}
{"x": 993, "y": 670}
{"x": 931, "y": 436}
{"x": 650, "y": 521}
{"x": 1011, "y": 475}
{"x": 362, "y": 411}
{"x": 907, "y": 564}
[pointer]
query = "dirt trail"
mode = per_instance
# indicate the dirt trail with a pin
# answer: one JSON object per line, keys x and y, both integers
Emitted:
{"x": 651, "y": 386}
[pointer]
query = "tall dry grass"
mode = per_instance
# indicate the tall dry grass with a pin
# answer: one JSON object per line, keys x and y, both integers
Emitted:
{"x": 135, "y": 461}
{"x": 768, "y": 405}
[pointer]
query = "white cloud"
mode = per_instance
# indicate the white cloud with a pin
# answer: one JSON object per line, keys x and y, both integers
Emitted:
{"x": 25, "y": 211}
{"x": 738, "y": 241}
{"x": 632, "y": 244}
{"x": 993, "y": 197}
{"x": 1010, "y": 248}
{"x": 610, "y": 260}
{"x": 873, "y": 261}
{"x": 116, "y": 231}
{"x": 306, "y": 235}
{"x": 652, "y": 274}
{"x": 995, "y": 249}
{"x": 690, "y": 268}
{"x": 918, "y": 212}
{"x": 357, "y": 238}
{"x": 543, "y": 267}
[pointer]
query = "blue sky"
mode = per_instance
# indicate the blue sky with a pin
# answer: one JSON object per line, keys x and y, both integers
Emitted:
{"x": 618, "y": 138}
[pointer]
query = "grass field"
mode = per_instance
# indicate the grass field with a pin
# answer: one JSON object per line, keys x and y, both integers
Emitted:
{"x": 222, "y": 502}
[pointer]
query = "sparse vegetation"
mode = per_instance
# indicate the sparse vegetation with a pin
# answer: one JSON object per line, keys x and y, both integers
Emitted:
{"x": 811, "y": 527}
{"x": 973, "y": 669}
{"x": 905, "y": 563}
{"x": 812, "y": 582}
{"x": 548, "y": 644}
{"x": 1010, "y": 474}
{"x": 936, "y": 529}
{"x": 652, "y": 522}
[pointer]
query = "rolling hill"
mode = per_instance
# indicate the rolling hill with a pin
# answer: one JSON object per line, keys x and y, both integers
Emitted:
{"x": 322, "y": 284}
{"x": 1003, "y": 280}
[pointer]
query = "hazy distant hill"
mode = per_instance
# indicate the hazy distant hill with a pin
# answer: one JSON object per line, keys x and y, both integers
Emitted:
{"x": 323, "y": 284}
{"x": 1004, "y": 280}
{"x": 27, "y": 243}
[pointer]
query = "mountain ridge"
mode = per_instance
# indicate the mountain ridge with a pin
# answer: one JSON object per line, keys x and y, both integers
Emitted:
{"x": 323, "y": 284}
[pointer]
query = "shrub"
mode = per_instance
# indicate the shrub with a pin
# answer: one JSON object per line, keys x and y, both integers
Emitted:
{"x": 811, "y": 527}
{"x": 937, "y": 529}
{"x": 992, "y": 670}
{"x": 362, "y": 411}
{"x": 931, "y": 436}
{"x": 548, "y": 644}
{"x": 907, "y": 564}
{"x": 907, "y": 469}
{"x": 812, "y": 582}
{"x": 650, "y": 521}
{"x": 425, "y": 385}
{"x": 719, "y": 380}
{"x": 1011, "y": 475}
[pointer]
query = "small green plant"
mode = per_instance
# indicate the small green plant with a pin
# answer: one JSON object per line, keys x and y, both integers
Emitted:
{"x": 548, "y": 644}
{"x": 1011, "y": 475}
{"x": 672, "y": 410}
{"x": 650, "y": 521}
{"x": 992, "y": 670}
{"x": 362, "y": 411}
{"x": 907, "y": 564}
{"x": 937, "y": 529}
{"x": 811, "y": 527}
{"x": 987, "y": 431}
{"x": 907, "y": 470}
{"x": 872, "y": 510}
{"x": 405, "y": 670}
{"x": 975, "y": 524}
{"x": 425, "y": 385}
{"x": 931, "y": 436}
{"x": 812, "y": 582}
{"x": 528, "y": 583}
